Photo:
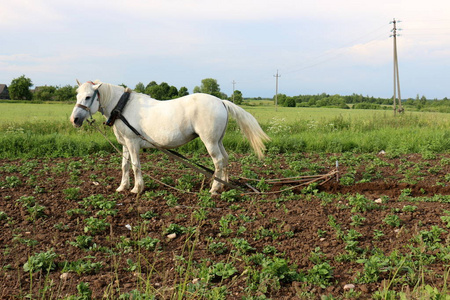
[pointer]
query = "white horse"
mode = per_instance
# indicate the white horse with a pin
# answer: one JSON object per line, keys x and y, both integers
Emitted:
{"x": 167, "y": 124}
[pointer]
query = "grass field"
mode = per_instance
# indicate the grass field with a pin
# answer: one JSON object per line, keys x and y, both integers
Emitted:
{"x": 33, "y": 130}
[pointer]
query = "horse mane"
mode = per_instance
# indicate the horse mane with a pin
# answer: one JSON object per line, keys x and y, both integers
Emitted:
{"x": 106, "y": 91}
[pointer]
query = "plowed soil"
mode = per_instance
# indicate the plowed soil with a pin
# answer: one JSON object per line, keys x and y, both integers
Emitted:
{"x": 295, "y": 225}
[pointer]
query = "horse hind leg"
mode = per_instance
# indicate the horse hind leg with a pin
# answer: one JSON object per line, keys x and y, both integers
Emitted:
{"x": 225, "y": 161}
{"x": 219, "y": 160}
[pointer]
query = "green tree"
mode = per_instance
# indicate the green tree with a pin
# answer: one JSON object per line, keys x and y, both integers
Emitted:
{"x": 19, "y": 89}
{"x": 45, "y": 93}
{"x": 66, "y": 93}
{"x": 149, "y": 86}
{"x": 155, "y": 91}
{"x": 289, "y": 102}
{"x": 237, "y": 97}
{"x": 183, "y": 91}
{"x": 173, "y": 92}
{"x": 139, "y": 88}
{"x": 209, "y": 86}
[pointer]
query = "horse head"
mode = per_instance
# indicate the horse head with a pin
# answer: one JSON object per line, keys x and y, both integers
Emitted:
{"x": 88, "y": 102}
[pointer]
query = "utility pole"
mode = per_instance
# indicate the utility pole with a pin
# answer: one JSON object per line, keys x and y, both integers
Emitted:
{"x": 232, "y": 97}
{"x": 276, "y": 91}
{"x": 396, "y": 73}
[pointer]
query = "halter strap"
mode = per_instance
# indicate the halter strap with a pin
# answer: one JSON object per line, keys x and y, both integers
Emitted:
{"x": 88, "y": 108}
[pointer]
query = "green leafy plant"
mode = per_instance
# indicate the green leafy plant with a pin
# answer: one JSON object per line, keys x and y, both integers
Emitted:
{"x": 83, "y": 242}
{"x": 217, "y": 248}
{"x": 222, "y": 270}
{"x": 360, "y": 203}
{"x": 149, "y": 215}
{"x": 357, "y": 220}
{"x": 72, "y": 193}
{"x": 321, "y": 274}
{"x": 82, "y": 266}
{"x": 148, "y": 243}
{"x": 175, "y": 228}
{"x": 94, "y": 225}
{"x": 3, "y": 216}
{"x": 392, "y": 220}
{"x": 41, "y": 261}
{"x": 242, "y": 245}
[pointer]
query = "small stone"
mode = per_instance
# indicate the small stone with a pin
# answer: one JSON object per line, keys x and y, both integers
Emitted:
{"x": 64, "y": 276}
{"x": 195, "y": 280}
{"x": 349, "y": 286}
{"x": 382, "y": 152}
{"x": 379, "y": 200}
{"x": 172, "y": 236}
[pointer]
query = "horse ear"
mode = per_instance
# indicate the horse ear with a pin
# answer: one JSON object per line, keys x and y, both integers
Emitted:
{"x": 97, "y": 86}
{"x": 78, "y": 83}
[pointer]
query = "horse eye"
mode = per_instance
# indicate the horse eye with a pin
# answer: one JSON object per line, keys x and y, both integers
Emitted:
{"x": 88, "y": 97}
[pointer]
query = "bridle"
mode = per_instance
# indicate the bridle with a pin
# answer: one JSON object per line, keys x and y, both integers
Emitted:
{"x": 91, "y": 100}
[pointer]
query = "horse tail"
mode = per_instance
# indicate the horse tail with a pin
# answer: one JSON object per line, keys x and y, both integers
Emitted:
{"x": 249, "y": 126}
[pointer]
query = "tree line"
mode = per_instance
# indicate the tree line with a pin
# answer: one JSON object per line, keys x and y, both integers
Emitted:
{"x": 360, "y": 102}
{"x": 20, "y": 89}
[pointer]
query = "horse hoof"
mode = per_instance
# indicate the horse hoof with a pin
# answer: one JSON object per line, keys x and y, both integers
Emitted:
{"x": 136, "y": 190}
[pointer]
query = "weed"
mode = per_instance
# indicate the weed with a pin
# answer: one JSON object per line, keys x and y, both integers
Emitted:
{"x": 222, "y": 270}
{"x": 242, "y": 245}
{"x": 377, "y": 234}
{"x": 392, "y": 220}
{"x": 171, "y": 200}
{"x": 357, "y": 220}
{"x": 360, "y": 203}
{"x": 94, "y": 225}
{"x": 83, "y": 242}
{"x": 217, "y": 248}
{"x": 82, "y": 266}
{"x": 321, "y": 275}
{"x": 231, "y": 196}
{"x": 12, "y": 181}
{"x": 41, "y": 261}
{"x": 409, "y": 208}
{"x": 3, "y": 216}
{"x": 72, "y": 193}
{"x": 175, "y": 228}
{"x": 149, "y": 215}
{"x": 148, "y": 243}
{"x": 84, "y": 292}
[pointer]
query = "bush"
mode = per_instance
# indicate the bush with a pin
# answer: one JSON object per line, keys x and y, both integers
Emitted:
{"x": 365, "y": 105}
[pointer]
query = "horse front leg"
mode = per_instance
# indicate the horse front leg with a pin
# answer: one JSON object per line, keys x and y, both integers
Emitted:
{"x": 136, "y": 165}
{"x": 125, "y": 183}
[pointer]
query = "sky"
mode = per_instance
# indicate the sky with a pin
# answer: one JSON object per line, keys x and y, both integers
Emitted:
{"x": 316, "y": 46}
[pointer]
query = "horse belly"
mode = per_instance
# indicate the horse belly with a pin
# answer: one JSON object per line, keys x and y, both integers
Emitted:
{"x": 169, "y": 136}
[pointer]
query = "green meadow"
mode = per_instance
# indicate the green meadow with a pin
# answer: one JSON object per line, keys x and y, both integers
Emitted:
{"x": 44, "y": 130}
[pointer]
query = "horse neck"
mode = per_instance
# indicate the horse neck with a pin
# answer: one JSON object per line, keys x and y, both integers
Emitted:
{"x": 109, "y": 96}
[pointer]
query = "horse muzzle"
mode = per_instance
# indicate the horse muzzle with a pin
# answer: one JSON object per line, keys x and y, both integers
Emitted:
{"x": 76, "y": 121}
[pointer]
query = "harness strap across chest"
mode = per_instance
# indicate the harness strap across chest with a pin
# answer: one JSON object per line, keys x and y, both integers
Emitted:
{"x": 117, "y": 111}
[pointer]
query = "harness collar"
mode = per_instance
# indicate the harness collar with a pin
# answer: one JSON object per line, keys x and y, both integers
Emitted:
{"x": 117, "y": 111}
